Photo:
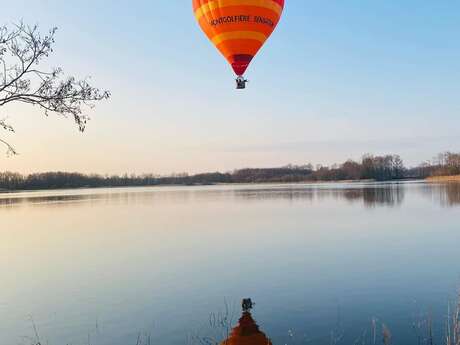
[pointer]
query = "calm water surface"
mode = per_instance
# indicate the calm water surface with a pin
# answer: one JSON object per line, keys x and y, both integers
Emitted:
{"x": 105, "y": 266}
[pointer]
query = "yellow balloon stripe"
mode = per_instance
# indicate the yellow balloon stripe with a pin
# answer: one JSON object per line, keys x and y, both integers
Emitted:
{"x": 215, "y": 4}
{"x": 236, "y": 35}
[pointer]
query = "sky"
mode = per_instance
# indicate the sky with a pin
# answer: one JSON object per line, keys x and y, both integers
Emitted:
{"x": 337, "y": 79}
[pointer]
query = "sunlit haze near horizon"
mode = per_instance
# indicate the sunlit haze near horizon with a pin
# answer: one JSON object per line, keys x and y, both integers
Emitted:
{"x": 336, "y": 80}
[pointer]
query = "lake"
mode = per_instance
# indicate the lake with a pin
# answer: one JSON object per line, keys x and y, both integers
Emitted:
{"x": 170, "y": 265}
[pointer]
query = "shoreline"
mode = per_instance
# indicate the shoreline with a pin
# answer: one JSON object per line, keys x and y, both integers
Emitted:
{"x": 454, "y": 178}
{"x": 11, "y": 191}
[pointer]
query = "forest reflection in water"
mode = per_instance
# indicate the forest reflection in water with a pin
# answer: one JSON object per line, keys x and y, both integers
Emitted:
{"x": 369, "y": 194}
{"x": 445, "y": 194}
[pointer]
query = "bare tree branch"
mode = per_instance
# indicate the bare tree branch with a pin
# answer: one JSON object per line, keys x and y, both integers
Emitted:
{"x": 22, "y": 48}
{"x": 10, "y": 149}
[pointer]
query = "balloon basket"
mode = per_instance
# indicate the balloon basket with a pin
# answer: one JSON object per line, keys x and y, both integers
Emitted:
{"x": 240, "y": 83}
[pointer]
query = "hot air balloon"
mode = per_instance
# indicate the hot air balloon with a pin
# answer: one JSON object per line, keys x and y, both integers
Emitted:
{"x": 238, "y": 28}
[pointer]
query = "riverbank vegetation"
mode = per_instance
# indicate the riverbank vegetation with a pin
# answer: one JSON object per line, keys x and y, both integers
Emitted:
{"x": 425, "y": 330}
{"x": 220, "y": 324}
{"x": 377, "y": 168}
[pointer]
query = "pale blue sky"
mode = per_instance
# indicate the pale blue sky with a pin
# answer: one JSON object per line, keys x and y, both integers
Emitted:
{"x": 337, "y": 79}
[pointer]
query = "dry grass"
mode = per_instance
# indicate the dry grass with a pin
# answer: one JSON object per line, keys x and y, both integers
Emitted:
{"x": 379, "y": 332}
{"x": 455, "y": 178}
{"x": 386, "y": 335}
{"x": 453, "y": 326}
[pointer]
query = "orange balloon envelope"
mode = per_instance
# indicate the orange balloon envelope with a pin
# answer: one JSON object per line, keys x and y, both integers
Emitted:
{"x": 238, "y": 28}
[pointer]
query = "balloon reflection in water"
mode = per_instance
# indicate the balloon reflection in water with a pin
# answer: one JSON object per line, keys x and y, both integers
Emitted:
{"x": 247, "y": 332}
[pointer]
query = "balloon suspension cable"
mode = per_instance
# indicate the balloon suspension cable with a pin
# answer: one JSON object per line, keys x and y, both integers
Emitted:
{"x": 241, "y": 82}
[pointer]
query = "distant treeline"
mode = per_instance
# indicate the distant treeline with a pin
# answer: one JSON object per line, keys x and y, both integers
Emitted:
{"x": 445, "y": 164}
{"x": 379, "y": 168}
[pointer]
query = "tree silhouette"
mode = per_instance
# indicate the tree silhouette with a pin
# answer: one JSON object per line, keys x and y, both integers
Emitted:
{"x": 22, "y": 49}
